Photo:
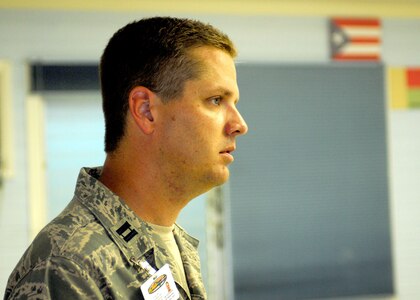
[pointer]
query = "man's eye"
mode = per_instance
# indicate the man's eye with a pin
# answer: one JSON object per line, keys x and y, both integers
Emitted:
{"x": 216, "y": 100}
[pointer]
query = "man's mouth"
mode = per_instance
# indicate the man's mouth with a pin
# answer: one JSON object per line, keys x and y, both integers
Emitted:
{"x": 227, "y": 153}
{"x": 228, "y": 150}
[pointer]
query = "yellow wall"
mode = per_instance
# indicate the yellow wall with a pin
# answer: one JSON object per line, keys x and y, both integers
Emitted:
{"x": 373, "y": 8}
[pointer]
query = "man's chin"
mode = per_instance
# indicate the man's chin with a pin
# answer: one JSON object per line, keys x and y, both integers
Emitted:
{"x": 223, "y": 178}
{"x": 217, "y": 178}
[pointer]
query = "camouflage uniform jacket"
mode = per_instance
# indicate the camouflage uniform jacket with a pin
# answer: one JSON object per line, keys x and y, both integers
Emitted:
{"x": 92, "y": 250}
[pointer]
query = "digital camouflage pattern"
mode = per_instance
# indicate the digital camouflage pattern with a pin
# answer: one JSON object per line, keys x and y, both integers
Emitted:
{"x": 93, "y": 250}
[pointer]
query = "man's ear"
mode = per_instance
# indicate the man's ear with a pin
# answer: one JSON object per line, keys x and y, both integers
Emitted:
{"x": 139, "y": 101}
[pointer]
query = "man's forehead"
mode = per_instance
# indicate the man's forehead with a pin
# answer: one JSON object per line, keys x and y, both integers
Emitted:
{"x": 217, "y": 71}
{"x": 209, "y": 56}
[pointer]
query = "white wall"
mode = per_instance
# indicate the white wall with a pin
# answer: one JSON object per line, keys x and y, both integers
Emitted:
{"x": 405, "y": 205}
{"x": 80, "y": 36}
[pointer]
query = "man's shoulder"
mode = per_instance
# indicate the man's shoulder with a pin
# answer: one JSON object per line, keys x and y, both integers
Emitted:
{"x": 74, "y": 235}
{"x": 74, "y": 231}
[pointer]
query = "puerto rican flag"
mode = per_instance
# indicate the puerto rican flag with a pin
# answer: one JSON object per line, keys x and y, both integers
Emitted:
{"x": 355, "y": 39}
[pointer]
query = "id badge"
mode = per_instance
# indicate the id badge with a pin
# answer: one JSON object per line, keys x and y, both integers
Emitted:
{"x": 160, "y": 286}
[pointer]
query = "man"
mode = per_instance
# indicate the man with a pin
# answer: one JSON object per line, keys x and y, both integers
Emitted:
{"x": 169, "y": 99}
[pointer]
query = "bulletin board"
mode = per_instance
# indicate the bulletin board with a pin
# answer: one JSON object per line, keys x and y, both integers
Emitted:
{"x": 309, "y": 201}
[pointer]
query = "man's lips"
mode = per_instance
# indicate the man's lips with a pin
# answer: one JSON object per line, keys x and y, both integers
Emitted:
{"x": 227, "y": 152}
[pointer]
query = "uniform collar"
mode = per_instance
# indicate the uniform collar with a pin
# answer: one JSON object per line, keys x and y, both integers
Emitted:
{"x": 129, "y": 232}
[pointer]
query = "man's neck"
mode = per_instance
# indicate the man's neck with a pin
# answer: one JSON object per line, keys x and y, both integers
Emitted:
{"x": 142, "y": 190}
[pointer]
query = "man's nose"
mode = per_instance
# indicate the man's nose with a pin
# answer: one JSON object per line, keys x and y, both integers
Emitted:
{"x": 237, "y": 125}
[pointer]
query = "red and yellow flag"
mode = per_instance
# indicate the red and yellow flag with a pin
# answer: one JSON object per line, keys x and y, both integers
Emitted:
{"x": 404, "y": 87}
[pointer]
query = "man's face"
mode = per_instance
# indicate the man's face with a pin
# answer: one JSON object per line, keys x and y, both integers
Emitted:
{"x": 199, "y": 129}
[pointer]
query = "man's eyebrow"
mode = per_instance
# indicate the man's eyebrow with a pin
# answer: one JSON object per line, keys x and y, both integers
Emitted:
{"x": 225, "y": 92}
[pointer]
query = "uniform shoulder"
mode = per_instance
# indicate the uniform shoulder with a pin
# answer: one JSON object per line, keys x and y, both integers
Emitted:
{"x": 74, "y": 235}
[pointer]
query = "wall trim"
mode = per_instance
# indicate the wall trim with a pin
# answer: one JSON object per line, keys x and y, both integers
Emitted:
{"x": 7, "y": 168}
{"x": 36, "y": 164}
